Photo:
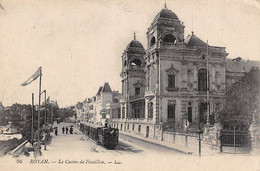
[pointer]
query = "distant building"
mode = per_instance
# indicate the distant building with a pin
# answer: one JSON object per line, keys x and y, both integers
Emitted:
{"x": 99, "y": 108}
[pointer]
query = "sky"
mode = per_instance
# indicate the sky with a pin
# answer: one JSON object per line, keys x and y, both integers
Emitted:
{"x": 79, "y": 43}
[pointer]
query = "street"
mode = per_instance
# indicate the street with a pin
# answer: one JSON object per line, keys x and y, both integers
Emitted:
{"x": 77, "y": 152}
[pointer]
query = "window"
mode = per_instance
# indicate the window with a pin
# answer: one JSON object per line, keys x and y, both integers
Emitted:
{"x": 123, "y": 112}
{"x": 137, "y": 113}
{"x": 118, "y": 114}
{"x": 202, "y": 79}
{"x": 150, "y": 110}
{"x": 127, "y": 126}
{"x": 171, "y": 81}
{"x": 137, "y": 91}
{"x": 203, "y": 112}
{"x": 133, "y": 127}
{"x": 171, "y": 112}
{"x": 152, "y": 41}
{"x": 139, "y": 128}
{"x": 169, "y": 38}
{"x": 190, "y": 114}
{"x": 136, "y": 62}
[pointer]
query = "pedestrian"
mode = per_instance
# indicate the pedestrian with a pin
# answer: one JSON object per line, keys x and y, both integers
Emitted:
{"x": 71, "y": 130}
{"x": 67, "y": 129}
{"x": 63, "y": 129}
{"x": 56, "y": 131}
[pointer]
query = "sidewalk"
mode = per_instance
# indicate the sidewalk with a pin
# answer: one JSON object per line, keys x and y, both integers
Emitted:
{"x": 186, "y": 150}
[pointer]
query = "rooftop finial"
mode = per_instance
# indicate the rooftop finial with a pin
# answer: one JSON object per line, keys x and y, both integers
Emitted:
{"x": 192, "y": 32}
{"x": 134, "y": 36}
{"x": 165, "y": 5}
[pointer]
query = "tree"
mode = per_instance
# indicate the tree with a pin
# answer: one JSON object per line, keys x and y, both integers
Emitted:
{"x": 66, "y": 113}
{"x": 242, "y": 100}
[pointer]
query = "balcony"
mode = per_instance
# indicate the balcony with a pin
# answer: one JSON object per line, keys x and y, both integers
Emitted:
{"x": 137, "y": 97}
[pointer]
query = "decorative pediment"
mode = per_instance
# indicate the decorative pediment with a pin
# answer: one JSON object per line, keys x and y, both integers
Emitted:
{"x": 172, "y": 70}
{"x": 137, "y": 84}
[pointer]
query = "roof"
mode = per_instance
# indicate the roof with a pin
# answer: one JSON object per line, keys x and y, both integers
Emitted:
{"x": 193, "y": 40}
{"x": 106, "y": 88}
{"x": 241, "y": 65}
{"x": 99, "y": 91}
{"x": 135, "y": 47}
{"x": 165, "y": 14}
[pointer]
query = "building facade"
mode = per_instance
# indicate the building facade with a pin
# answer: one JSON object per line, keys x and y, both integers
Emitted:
{"x": 175, "y": 83}
{"x": 100, "y": 107}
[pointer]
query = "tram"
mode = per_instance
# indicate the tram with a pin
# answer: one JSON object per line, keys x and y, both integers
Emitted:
{"x": 107, "y": 137}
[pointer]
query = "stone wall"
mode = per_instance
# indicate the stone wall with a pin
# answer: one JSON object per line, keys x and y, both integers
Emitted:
{"x": 187, "y": 140}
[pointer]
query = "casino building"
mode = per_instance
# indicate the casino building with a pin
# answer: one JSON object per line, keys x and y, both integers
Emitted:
{"x": 164, "y": 87}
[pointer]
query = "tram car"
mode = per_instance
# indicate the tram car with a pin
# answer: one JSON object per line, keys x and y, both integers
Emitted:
{"x": 107, "y": 137}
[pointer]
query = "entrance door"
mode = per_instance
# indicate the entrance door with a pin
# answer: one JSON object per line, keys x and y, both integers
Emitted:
{"x": 147, "y": 131}
{"x": 203, "y": 112}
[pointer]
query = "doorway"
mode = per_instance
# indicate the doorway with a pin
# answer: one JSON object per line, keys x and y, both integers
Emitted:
{"x": 147, "y": 131}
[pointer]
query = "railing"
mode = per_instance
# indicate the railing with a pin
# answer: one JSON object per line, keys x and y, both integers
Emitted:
{"x": 135, "y": 97}
{"x": 18, "y": 150}
{"x": 167, "y": 44}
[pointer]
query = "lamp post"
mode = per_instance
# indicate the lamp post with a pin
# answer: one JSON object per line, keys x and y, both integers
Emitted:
{"x": 200, "y": 136}
{"x": 45, "y": 123}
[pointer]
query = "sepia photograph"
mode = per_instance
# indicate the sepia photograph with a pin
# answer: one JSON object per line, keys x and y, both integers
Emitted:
{"x": 130, "y": 85}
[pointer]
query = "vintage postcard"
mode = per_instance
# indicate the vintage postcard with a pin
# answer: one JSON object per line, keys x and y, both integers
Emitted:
{"x": 129, "y": 85}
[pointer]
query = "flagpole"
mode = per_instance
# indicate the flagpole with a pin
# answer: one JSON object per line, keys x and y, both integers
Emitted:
{"x": 32, "y": 115}
{"x": 208, "y": 122}
{"x": 45, "y": 117}
{"x": 39, "y": 109}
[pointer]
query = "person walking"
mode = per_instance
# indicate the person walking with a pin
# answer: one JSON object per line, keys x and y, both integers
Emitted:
{"x": 71, "y": 130}
{"x": 56, "y": 131}
{"x": 63, "y": 129}
{"x": 67, "y": 129}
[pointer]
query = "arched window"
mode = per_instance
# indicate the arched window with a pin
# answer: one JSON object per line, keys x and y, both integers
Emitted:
{"x": 152, "y": 42}
{"x": 169, "y": 38}
{"x": 202, "y": 79}
{"x": 136, "y": 62}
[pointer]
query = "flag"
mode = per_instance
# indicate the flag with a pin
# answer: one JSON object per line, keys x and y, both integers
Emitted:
{"x": 48, "y": 100}
{"x": 33, "y": 77}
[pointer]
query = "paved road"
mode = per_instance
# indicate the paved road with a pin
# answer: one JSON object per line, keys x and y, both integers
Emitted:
{"x": 66, "y": 151}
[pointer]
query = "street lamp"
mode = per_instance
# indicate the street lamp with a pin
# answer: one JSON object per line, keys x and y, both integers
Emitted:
{"x": 200, "y": 137}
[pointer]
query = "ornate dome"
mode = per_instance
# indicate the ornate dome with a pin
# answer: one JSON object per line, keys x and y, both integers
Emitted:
{"x": 135, "y": 47}
{"x": 135, "y": 44}
{"x": 165, "y": 14}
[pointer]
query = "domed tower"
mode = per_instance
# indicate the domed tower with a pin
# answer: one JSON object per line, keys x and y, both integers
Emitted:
{"x": 133, "y": 79}
{"x": 166, "y": 27}
{"x": 165, "y": 39}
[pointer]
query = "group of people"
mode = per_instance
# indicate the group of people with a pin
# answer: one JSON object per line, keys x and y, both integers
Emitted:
{"x": 63, "y": 130}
